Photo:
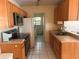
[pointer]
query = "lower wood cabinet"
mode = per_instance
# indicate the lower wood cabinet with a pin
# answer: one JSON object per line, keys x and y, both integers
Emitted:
{"x": 64, "y": 50}
{"x": 56, "y": 46}
{"x": 18, "y": 50}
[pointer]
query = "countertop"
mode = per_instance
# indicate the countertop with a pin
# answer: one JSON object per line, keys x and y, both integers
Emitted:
{"x": 65, "y": 38}
{"x": 14, "y": 41}
{"x": 6, "y": 56}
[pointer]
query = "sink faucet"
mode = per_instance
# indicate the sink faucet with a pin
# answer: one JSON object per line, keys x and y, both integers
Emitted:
{"x": 62, "y": 28}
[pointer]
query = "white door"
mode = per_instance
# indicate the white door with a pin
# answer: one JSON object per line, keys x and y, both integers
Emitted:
{"x": 29, "y": 28}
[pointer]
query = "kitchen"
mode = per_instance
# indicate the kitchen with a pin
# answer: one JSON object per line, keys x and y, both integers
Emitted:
{"x": 60, "y": 17}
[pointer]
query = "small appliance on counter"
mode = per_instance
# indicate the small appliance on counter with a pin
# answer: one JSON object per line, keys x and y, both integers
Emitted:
{"x": 6, "y": 36}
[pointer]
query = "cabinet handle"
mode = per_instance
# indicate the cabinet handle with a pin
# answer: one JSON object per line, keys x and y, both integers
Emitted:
{"x": 16, "y": 46}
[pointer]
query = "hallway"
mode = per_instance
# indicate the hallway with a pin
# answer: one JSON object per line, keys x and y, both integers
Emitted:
{"x": 41, "y": 50}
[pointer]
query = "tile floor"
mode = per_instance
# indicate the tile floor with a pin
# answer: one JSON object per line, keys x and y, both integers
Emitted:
{"x": 41, "y": 50}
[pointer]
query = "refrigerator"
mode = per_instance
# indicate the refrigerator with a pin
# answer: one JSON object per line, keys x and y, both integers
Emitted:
{"x": 28, "y": 27}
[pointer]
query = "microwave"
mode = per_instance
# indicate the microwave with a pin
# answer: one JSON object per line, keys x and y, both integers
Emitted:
{"x": 18, "y": 19}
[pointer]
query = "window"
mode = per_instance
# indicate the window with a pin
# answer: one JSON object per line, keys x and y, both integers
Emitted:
{"x": 37, "y": 20}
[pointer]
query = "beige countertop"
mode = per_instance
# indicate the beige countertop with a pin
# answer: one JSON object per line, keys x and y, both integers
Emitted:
{"x": 6, "y": 56}
{"x": 65, "y": 38}
{"x": 15, "y": 41}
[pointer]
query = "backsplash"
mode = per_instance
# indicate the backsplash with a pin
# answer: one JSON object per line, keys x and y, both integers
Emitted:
{"x": 71, "y": 26}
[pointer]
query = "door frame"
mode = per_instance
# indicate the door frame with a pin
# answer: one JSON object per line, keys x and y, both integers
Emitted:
{"x": 43, "y": 16}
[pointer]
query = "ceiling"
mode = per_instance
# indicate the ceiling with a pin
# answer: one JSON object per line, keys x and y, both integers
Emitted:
{"x": 35, "y": 2}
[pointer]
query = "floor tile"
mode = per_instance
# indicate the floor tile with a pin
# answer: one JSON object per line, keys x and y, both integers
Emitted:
{"x": 44, "y": 57}
{"x": 35, "y": 56}
{"x": 50, "y": 53}
{"x": 52, "y": 57}
{"x": 42, "y": 50}
{"x": 29, "y": 57}
{"x": 36, "y": 52}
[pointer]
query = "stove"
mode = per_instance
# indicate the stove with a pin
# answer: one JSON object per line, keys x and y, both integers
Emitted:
{"x": 23, "y": 36}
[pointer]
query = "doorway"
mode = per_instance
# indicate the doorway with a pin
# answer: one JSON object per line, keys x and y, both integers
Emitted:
{"x": 38, "y": 21}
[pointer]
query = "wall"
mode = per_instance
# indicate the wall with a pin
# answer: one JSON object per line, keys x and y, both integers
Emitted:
{"x": 72, "y": 27}
{"x": 48, "y": 10}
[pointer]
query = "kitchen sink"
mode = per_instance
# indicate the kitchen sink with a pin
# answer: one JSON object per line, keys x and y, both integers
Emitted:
{"x": 61, "y": 33}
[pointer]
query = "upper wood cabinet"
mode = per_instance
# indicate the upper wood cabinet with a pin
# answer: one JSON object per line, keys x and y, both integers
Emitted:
{"x": 19, "y": 10}
{"x": 78, "y": 11}
{"x": 67, "y": 10}
{"x": 3, "y": 14}
{"x": 16, "y": 9}
{"x": 72, "y": 9}
{"x": 58, "y": 13}
{"x": 6, "y": 13}
{"x": 10, "y": 14}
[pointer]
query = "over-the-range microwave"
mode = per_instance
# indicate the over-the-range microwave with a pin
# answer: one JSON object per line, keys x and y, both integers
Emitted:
{"x": 18, "y": 19}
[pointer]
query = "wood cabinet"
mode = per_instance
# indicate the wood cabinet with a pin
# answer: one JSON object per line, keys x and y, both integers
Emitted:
{"x": 67, "y": 10}
{"x": 10, "y": 14}
{"x": 78, "y": 12}
{"x": 56, "y": 46}
{"x": 55, "y": 14}
{"x": 3, "y": 14}
{"x": 64, "y": 47}
{"x": 18, "y": 49}
{"x": 16, "y": 9}
{"x": 19, "y": 10}
{"x": 6, "y": 13}
{"x": 72, "y": 9}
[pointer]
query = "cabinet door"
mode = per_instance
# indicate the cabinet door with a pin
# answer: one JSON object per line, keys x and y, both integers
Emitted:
{"x": 78, "y": 10}
{"x": 14, "y": 8}
{"x": 65, "y": 7}
{"x": 58, "y": 14}
{"x": 58, "y": 49}
{"x": 9, "y": 48}
{"x": 55, "y": 15}
{"x": 21, "y": 51}
{"x": 3, "y": 14}
{"x": 25, "y": 13}
{"x": 10, "y": 14}
{"x": 73, "y": 10}
{"x": 18, "y": 50}
{"x": 70, "y": 9}
{"x": 3, "y": 9}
